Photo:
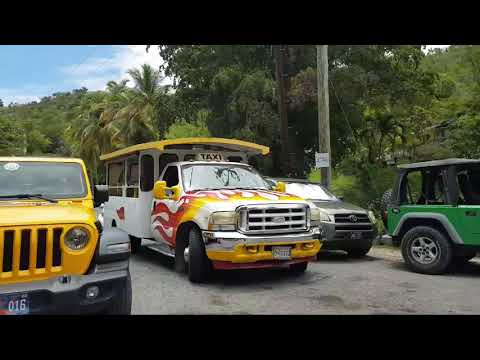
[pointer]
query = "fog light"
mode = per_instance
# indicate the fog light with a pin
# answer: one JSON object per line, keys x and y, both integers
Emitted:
{"x": 92, "y": 292}
{"x": 209, "y": 237}
{"x": 308, "y": 246}
{"x": 252, "y": 249}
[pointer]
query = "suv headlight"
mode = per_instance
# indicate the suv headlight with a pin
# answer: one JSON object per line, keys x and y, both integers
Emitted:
{"x": 222, "y": 220}
{"x": 317, "y": 216}
{"x": 77, "y": 238}
{"x": 372, "y": 217}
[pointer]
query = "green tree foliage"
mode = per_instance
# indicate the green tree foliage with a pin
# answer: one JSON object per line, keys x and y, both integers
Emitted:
{"x": 387, "y": 102}
{"x": 136, "y": 118}
{"x": 11, "y": 140}
{"x": 183, "y": 129}
{"x": 458, "y": 96}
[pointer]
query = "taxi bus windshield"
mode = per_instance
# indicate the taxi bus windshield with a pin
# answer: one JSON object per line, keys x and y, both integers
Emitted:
{"x": 54, "y": 180}
{"x": 221, "y": 176}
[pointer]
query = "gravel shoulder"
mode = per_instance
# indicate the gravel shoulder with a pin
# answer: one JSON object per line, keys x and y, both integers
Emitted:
{"x": 335, "y": 284}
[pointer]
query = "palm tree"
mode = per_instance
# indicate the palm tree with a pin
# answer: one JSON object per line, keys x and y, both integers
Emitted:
{"x": 93, "y": 133}
{"x": 137, "y": 119}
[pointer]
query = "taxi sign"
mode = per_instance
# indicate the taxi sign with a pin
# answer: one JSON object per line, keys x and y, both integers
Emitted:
{"x": 210, "y": 157}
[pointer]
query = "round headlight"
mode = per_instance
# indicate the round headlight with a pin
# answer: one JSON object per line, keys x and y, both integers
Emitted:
{"x": 77, "y": 238}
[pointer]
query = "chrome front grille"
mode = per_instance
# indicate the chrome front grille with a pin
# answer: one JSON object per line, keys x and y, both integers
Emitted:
{"x": 273, "y": 218}
{"x": 353, "y": 222}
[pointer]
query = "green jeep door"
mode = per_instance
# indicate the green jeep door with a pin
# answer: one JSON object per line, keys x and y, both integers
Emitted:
{"x": 422, "y": 191}
{"x": 468, "y": 214}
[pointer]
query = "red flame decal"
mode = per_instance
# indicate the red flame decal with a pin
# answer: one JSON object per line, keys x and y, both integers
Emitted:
{"x": 121, "y": 213}
{"x": 172, "y": 222}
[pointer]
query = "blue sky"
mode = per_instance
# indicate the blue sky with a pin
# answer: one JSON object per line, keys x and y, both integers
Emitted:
{"x": 29, "y": 72}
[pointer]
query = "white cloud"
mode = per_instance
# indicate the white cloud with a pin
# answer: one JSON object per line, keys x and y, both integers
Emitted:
{"x": 23, "y": 94}
{"x": 95, "y": 72}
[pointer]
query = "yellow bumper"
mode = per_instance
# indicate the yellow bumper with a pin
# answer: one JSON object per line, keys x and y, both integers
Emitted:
{"x": 242, "y": 253}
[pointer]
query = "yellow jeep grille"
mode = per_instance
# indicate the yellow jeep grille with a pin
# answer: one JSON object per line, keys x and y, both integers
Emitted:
{"x": 37, "y": 252}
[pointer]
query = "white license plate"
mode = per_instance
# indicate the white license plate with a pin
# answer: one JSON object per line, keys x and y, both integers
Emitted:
{"x": 356, "y": 235}
{"x": 17, "y": 304}
{"x": 282, "y": 252}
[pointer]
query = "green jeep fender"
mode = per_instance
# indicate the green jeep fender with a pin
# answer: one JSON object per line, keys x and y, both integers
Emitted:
{"x": 442, "y": 219}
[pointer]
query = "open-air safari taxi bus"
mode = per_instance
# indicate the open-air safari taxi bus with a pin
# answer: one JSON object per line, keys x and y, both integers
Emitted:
{"x": 201, "y": 202}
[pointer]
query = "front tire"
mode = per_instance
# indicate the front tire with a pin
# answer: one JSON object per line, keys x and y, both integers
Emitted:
{"x": 426, "y": 250}
{"x": 123, "y": 304}
{"x": 298, "y": 268}
{"x": 199, "y": 266}
{"x": 135, "y": 244}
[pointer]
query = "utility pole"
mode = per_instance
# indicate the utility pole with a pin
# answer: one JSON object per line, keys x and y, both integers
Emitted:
{"x": 280, "y": 61}
{"x": 323, "y": 112}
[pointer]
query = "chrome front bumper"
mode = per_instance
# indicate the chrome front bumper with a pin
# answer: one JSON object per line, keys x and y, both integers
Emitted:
{"x": 227, "y": 240}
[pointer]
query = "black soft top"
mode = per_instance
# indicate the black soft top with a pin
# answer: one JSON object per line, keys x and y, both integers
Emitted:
{"x": 438, "y": 163}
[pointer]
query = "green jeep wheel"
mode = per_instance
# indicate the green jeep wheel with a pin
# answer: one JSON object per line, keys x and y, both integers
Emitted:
{"x": 426, "y": 250}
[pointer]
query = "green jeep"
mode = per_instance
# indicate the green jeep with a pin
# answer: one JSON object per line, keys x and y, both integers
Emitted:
{"x": 434, "y": 213}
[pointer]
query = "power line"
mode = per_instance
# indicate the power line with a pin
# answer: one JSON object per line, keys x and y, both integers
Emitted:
{"x": 351, "y": 129}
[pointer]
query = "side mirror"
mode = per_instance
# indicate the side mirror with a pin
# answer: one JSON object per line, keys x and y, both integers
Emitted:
{"x": 174, "y": 192}
{"x": 100, "y": 196}
{"x": 162, "y": 192}
{"x": 281, "y": 187}
{"x": 159, "y": 190}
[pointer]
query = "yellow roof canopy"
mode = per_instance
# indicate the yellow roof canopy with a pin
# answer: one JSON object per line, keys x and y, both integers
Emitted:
{"x": 219, "y": 144}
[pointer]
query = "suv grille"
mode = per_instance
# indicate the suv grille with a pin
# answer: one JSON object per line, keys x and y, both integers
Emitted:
{"x": 25, "y": 250}
{"x": 274, "y": 218}
{"x": 345, "y": 223}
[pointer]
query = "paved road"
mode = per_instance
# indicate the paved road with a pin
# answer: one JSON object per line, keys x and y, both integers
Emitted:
{"x": 335, "y": 284}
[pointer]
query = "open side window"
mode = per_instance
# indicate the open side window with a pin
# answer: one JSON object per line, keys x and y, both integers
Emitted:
{"x": 424, "y": 187}
{"x": 147, "y": 173}
{"x": 133, "y": 177}
{"x": 116, "y": 178}
{"x": 411, "y": 189}
{"x": 164, "y": 160}
{"x": 435, "y": 187}
{"x": 468, "y": 180}
{"x": 171, "y": 176}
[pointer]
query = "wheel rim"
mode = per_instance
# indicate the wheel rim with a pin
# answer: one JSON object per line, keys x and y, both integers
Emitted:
{"x": 424, "y": 250}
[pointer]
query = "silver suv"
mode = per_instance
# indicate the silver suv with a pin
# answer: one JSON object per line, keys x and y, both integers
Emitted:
{"x": 348, "y": 227}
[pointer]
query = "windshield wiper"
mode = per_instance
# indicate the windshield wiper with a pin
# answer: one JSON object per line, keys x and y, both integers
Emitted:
{"x": 247, "y": 188}
{"x": 210, "y": 189}
{"x": 28, "y": 196}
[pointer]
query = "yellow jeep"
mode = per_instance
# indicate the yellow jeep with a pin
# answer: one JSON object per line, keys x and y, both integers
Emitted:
{"x": 54, "y": 255}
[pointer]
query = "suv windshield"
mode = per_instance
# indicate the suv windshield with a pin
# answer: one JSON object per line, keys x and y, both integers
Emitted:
{"x": 310, "y": 191}
{"x": 49, "y": 179}
{"x": 221, "y": 176}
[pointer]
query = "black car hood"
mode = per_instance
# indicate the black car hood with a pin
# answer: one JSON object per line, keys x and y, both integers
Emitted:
{"x": 338, "y": 207}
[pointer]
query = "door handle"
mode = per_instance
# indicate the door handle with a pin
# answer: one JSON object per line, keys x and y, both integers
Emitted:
{"x": 470, "y": 213}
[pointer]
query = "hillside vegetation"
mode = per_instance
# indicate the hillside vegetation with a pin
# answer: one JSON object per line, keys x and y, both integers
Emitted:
{"x": 387, "y": 102}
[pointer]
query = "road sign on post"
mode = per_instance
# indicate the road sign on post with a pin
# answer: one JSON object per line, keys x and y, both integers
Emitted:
{"x": 322, "y": 160}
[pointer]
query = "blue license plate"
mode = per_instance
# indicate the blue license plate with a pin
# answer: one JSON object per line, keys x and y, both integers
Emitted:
{"x": 15, "y": 304}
